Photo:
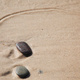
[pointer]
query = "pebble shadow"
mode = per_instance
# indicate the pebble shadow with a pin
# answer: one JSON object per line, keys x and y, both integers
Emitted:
{"x": 23, "y": 77}
{"x": 29, "y": 54}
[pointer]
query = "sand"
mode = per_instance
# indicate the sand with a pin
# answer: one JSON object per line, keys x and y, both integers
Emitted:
{"x": 52, "y": 30}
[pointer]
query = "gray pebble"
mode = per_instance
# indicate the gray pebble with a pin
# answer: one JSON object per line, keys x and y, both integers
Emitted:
{"x": 22, "y": 71}
{"x": 40, "y": 72}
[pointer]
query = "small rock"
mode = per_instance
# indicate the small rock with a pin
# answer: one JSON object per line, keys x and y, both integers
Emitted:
{"x": 22, "y": 72}
{"x": 24, "y": 48}
{"x": 40, "y": 72}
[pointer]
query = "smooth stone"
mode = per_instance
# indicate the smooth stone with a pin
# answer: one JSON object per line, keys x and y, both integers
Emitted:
{"x": 40, "y": 72}
{"x": 22, "y": 71}
{"x": 24, "y": 48}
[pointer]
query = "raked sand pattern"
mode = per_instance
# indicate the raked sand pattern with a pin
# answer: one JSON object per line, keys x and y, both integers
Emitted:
{"x": 52, "y": 30}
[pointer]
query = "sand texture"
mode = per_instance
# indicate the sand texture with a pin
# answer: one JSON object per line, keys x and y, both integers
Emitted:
{"x": 52, "y": 30}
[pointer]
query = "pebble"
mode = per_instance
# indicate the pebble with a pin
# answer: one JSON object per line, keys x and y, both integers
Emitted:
{"x": 40, "y": 72}
{"x": 24, "y": 48}
{"x": 22, "y": 71}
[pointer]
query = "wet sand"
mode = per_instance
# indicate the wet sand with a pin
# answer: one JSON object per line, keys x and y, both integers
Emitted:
{"x": 52, "y": 30}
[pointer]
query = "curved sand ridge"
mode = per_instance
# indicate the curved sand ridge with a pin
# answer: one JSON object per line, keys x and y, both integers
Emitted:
{"x": 54, "y": 38}
{"x": 59, "y": 7}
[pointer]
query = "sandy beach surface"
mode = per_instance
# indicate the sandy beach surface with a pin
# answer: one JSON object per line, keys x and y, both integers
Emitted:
{"x": 52, "y": 30}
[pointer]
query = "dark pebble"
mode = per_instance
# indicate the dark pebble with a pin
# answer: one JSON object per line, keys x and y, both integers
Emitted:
{"x": 40, "y": 72}
{"x": 22, "y": 72}
{"x": 24, "y": 48}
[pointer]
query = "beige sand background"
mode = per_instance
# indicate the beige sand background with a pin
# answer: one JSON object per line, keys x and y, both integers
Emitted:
{"x": 51, "y": 28}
